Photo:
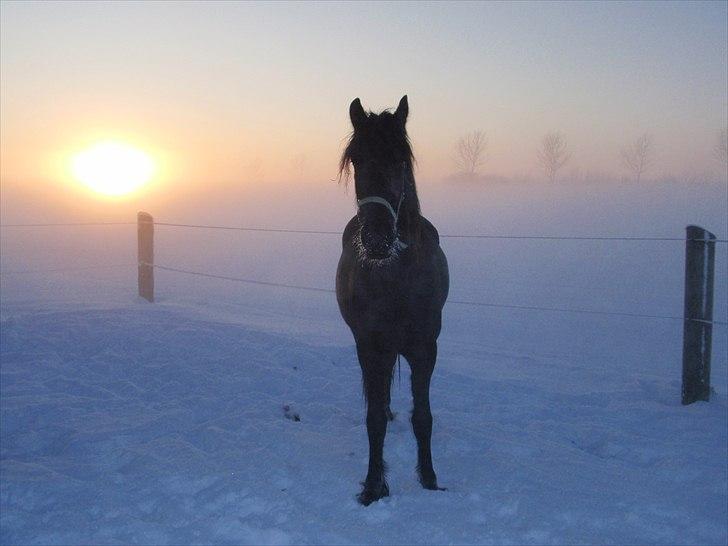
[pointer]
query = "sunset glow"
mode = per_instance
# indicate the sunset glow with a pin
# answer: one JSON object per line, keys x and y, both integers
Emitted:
{"x": 112, "y": 168}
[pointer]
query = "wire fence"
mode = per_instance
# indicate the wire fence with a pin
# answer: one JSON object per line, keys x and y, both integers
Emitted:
{"x": 66, "y": 269}
{"x": 68, "y": 224}
{"x": 339, "y": 233}
{"x": 324, "y": 232}
{"x": 449, "y": 301}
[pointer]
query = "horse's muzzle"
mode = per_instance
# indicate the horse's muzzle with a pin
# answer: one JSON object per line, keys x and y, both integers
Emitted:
{"x": 378, "y": 244}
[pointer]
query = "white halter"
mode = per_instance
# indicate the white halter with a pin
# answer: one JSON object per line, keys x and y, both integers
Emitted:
{"x": 382, "y": 201}
{"x": 398, "y": 243}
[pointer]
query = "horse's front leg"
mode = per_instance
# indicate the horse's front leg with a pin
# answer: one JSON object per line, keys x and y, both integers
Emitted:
{"x": 377, "y": 366}
{"x": 421, "y": 358}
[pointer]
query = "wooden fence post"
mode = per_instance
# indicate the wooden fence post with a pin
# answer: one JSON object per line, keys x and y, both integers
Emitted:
{"x": 145, "y": 233}
{"x": 698, "y": 332}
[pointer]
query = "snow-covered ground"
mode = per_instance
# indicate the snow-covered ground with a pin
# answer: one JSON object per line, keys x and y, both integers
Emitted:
{"x": 176, "y": 422}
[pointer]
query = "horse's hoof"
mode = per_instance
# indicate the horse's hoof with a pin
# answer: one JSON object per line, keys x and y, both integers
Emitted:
{"x": 370, "y": 494}
{"x": 433, "y": 487}
{"x": 431, "y": 484}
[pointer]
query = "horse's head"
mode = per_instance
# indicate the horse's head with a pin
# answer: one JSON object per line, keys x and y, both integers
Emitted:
{"x": 380, "y": 153}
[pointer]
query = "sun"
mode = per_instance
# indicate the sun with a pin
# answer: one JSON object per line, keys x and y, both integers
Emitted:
{"x": 112, "y": 168}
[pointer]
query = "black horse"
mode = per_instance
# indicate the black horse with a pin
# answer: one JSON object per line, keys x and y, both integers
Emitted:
{"x": 391, "y": 283}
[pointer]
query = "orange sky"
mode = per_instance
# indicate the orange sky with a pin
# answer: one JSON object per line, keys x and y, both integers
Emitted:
{"x": 226, "y": 94}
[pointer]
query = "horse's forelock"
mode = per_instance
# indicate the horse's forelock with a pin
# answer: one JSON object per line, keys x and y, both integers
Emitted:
{"x": 382, "y": 127}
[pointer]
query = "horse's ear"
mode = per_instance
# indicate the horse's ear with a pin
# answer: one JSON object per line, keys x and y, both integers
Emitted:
{"x": 402, "y": 110}
{"x": 357, "y": 114}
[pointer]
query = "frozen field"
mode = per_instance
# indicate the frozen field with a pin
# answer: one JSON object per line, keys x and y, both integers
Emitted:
{"x": 174, "y": 423}
{"x": 143, "y": 424}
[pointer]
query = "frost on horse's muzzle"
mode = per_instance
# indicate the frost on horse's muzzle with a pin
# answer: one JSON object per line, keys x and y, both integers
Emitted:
{"x": 378, "y": 237}
{"x": 377, "y": 243}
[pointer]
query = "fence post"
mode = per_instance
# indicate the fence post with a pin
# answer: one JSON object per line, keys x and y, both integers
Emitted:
{"x": 145, "y": 233}
{"x": 698, "y": 332}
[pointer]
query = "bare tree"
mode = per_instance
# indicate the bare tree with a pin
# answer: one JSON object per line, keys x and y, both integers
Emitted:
{"x": 553, "y": 154}
{"x": 470, "y": 152}
{"x": 721, "y": 147}
{"x": 637, "y": 157}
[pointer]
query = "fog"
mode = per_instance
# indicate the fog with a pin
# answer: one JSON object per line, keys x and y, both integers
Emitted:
{"x": 642, "y": 277}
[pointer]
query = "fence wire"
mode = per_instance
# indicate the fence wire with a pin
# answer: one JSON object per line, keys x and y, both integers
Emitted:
{"x": 69, "y": 224}
{"x": 64, "y": 269}
{"x": 325, "y": 232}
{"x": 450, "y": 301}
{"x": 238, "y": 279}
{"x": 442, "y": 235}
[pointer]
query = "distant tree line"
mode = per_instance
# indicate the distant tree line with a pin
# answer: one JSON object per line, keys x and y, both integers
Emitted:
{"x": 553, "y": 154}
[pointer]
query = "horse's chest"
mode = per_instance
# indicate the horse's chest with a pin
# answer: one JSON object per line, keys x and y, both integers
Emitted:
{"x": 394, "y": 302}
{"x": 385, "y": 302}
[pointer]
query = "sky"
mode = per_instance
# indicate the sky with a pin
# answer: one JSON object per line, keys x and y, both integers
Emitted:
{"x": 226, "y": 93}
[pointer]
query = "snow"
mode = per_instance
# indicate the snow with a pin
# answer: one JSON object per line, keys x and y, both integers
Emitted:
{"x": 124, "y": 422}
{"x": 143, "y": 425}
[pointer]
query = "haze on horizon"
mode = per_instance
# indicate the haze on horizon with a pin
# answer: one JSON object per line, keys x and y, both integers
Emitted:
{"x": 228, "y": 94}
